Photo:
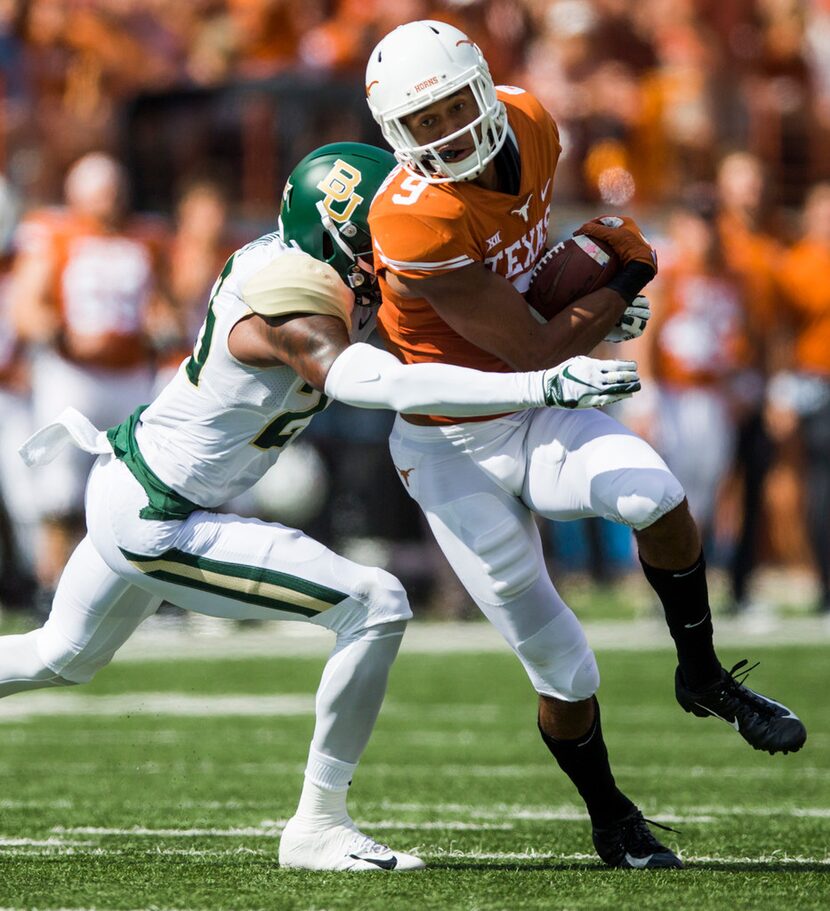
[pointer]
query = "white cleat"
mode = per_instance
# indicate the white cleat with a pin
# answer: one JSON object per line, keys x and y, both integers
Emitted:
{"x": 339, "y": 847}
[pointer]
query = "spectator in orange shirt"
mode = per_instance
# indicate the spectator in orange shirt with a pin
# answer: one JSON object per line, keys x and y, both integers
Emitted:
{"x": 697, "y": 345}
{"x": 752, "y": 251}
{"x": 191, "y": 262}
{"x": 83, "y": 295}
{"x": 17, "y": 586}
{"x": 803, "y": 395}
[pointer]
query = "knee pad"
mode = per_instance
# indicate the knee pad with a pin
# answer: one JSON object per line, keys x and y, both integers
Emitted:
{"x": 392, "y": 630}
{"x": 644, "y": 495}
{"x": 82, "y": 668}
{"x": 73, "y": 664}
{"x": 383, "y": 595}
{"x": 22, "y": 666}
{"x": 559, "y": 660}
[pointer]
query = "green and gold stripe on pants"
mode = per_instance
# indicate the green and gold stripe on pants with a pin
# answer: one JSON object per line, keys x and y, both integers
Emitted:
{"x": 251, "y": 584}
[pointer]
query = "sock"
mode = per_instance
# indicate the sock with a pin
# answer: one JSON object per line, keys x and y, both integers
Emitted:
{"x": 321, "y": 807}
{"x": 325, "y": 788}
{"x": 585, "y": 761}
{"x": 685, "y": 600}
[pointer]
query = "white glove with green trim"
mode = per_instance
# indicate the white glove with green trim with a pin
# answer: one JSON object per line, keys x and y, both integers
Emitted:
{"x": 632, "y": 324}
{"x": 586, "y": 382}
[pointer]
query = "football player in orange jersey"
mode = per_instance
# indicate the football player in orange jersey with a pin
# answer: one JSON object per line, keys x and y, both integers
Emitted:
{"x": 458, "y": 230}
{"x": 82, "y": 297}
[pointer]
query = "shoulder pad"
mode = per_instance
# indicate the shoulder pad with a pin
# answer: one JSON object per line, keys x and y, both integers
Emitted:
{"x": 297, "y": 283}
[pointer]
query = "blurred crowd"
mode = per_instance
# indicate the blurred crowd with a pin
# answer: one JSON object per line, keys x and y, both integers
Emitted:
{"x": 710, "y": 122}
{"x": 647, "y": 93}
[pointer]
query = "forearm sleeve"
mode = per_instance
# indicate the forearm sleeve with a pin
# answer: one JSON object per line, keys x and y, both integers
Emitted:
{"x": 367, "y": 377}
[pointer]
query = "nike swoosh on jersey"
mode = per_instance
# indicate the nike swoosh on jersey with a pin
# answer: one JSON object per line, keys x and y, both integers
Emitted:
{"x": 638, "y": 862}
{"x": 364, "y": 322}
{"x": 389, "y": 864}
{"x": 545, "y": 190}
{"x": 733, "y": 723}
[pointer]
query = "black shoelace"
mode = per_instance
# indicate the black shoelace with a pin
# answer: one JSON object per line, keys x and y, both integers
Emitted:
{"x": 660, "y": 825}
{"x": 736, "y": 687}
{"x": 637, "y": 837}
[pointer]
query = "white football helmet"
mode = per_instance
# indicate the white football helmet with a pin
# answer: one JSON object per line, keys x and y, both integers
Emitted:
{"x": 418, "y": 64}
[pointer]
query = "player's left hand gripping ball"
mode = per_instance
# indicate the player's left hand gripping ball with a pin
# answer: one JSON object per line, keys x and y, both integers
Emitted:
{"x": 585, "y": 382}
{"x": 624, "y": 236}
{"x": 632, "y": 324}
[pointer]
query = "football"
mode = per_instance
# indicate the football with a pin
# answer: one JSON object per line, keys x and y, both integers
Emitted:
{"x": 570, "y": 270}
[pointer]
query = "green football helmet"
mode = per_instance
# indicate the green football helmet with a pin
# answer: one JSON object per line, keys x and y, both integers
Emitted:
{"x": 325, "y": 210}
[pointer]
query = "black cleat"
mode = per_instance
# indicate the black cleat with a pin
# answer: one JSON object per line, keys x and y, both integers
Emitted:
{"x": 762, "y": 722}
{"x": 630, "y": 845}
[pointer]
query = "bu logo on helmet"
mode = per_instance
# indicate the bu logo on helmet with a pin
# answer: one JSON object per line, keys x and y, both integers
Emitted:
{"x": 339, "y": 187}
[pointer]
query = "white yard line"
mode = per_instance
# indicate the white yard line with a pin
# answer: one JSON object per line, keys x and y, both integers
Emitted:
{"x": 506, "y": 822}
{"x": 41, "y": 703}
{"x": 159, "y": 641}
{"x": 49, "y": 702}
{"x": 433, "y": 855}
{"x": 270, "y": 828}
{"x": 103, "y": 908}
{"x": 96, "y": 908}
{"x": 431, "y": 770}
{"x": 6, "y": 842}
{"x": 265, "y": 829}
{"x": 35, "y": 805}
{"x": 692, "y": 814}
{"x": 781, "y": 860}
{"x": 471, "y": 813}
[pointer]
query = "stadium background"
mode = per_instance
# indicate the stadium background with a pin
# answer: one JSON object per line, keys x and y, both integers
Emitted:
{"x": 649, "y": 97}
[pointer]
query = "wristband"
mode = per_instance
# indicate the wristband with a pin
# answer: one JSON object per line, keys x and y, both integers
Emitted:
{"x": 631, "y": 281}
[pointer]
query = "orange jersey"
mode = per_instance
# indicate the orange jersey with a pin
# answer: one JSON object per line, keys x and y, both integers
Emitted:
{"x": 102, "y": 285}
{"x": 701, "y": 334}
{"x": 755, "y": 257}
{"x": 421, "y": 229}
{"x": 803, "y": 278}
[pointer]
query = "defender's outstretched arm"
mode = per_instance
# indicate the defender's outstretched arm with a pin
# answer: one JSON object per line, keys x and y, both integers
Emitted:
{"x": 317, "y": 347}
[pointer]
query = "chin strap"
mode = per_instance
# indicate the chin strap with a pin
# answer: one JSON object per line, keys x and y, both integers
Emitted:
{"x": 329, "y": 225}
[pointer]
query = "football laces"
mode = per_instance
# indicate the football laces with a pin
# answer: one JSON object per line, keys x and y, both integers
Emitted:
{"x": 543, "y": 261}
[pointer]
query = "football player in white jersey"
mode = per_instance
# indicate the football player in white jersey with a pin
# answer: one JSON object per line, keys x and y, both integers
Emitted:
{"x": 282, "y": 336}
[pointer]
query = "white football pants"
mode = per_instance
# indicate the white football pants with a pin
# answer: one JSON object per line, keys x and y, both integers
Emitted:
{"x": 224, "y": 566}
{"x": 479, "y": 484}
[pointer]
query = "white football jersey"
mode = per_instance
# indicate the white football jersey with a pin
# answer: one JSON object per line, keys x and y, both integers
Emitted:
{"x": 219, "y": 425}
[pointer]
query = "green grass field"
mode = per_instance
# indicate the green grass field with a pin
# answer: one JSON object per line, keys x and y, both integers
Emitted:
{"x": 165, "y": 784}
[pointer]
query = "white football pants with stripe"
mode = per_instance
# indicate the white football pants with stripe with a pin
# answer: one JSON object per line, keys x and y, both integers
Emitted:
{"x": 224, "y": 566}
{"x": 479, "y": 485}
